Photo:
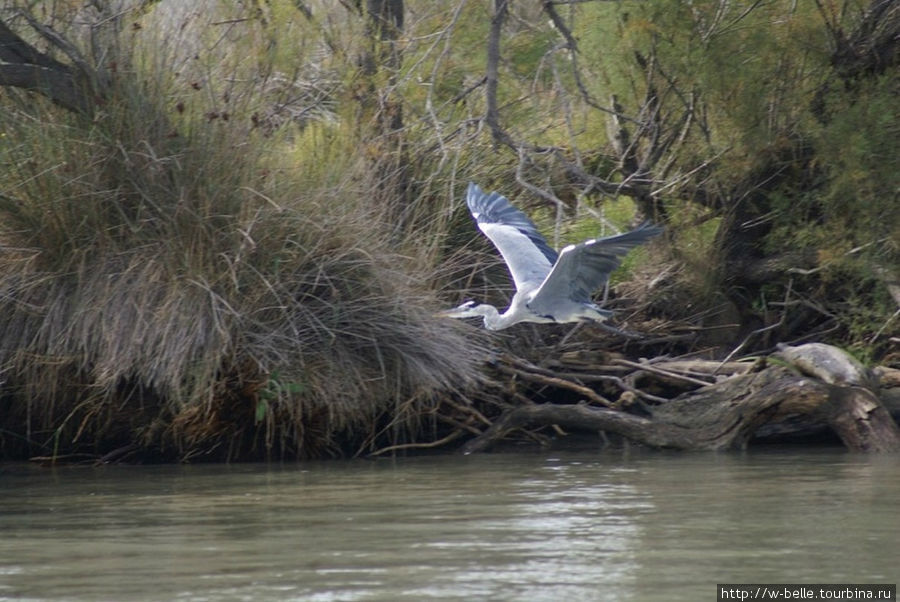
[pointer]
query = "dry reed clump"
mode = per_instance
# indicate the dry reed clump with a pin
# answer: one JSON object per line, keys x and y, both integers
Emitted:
{"x": 174, "y": 291}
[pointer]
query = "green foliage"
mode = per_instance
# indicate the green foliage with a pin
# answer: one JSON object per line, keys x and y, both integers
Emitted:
{"x": 275, "y": 390}
{"x": 858, "y": 153}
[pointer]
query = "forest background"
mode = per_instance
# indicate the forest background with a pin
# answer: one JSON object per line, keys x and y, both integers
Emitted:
{"x": 225, "y": 225}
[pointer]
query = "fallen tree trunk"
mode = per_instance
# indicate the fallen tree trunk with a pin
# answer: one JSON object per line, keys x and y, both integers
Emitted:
{"x": 727, "y": 414}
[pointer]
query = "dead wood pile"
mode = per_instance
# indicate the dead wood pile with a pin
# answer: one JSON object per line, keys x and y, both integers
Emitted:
{"x": 810, "y": 390}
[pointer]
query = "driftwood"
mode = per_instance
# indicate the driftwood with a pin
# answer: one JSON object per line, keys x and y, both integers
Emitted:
{"x": 799, "y": 389}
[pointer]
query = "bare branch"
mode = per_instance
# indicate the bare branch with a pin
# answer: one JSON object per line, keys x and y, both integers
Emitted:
{"x": 60, "y": 87}
{"x": 60, "y": 42}
{"x": 23, "y": 66}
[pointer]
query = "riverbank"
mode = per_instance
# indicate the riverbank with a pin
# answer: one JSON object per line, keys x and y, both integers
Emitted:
{"x": 225, "y": 229}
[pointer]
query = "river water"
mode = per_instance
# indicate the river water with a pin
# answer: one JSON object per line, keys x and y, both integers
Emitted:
{"x": 577, "y": 525}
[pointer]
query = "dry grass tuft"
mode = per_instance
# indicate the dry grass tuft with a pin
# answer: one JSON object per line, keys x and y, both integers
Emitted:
{"x": 189, "y": 286}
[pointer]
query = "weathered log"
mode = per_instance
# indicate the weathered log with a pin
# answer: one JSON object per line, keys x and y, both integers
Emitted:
{"x": 720, "y": 417}
{"x": 578, "y": 416}
{"x": 705, "y": 367}
{"x": 728, "y": 414}
{"x": 860, "y": 420}
{"x": 887, "y": 377}
{"x": 854, "y": 413}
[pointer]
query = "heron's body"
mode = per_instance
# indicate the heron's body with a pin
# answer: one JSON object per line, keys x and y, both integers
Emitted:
{"x": 550, "y": 287}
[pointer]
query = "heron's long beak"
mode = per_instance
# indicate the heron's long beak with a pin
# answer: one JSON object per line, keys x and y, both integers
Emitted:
{"x": 461, "y": 311}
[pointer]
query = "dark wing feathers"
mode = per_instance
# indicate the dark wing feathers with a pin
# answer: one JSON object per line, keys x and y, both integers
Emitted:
{"x": 495, "y": 209}
{"x": 585, "y": 267}
{"x": 570, "y": 276}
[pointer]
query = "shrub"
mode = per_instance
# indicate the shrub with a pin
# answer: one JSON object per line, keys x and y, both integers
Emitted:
{"x": 186, "y": 284}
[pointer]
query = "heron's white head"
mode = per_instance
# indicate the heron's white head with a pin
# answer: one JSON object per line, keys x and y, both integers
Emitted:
{"x": 469, "y": 309}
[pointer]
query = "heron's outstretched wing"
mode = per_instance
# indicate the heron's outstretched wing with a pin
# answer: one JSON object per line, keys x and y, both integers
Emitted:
{"x": 583, "y": 268}
{"x": 527, "y": 255}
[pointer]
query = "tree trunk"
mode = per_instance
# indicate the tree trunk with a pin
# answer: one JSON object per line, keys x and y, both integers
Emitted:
{"x": 23, "y": 66}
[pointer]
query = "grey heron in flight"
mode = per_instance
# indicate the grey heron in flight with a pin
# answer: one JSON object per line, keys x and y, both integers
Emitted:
{"x": 550, "y": 287}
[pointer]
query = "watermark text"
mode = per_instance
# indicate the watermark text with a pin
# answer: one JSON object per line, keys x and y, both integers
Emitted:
{"x": 807, "y": 592}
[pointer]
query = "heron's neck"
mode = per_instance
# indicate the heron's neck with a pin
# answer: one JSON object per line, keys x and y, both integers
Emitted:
{"x": 493, "y": 319}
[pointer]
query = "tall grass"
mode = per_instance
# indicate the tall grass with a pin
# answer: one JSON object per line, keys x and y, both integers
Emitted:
{"x": 181, "y": 280}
